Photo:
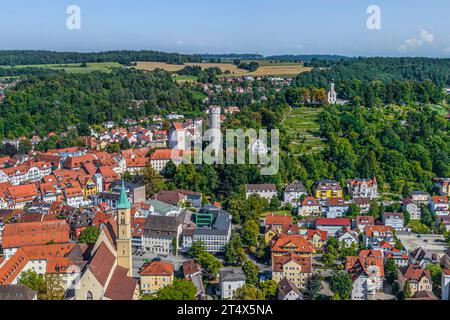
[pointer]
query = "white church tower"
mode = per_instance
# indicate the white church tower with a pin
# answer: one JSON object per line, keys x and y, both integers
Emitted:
{"x": 215, "y": 137}
{"x": 332, "y": 96}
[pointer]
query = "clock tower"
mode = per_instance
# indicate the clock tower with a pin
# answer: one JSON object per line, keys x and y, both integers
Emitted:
{"x": 124, "y": 252}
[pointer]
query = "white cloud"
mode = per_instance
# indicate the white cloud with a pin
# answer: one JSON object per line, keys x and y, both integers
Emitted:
{"x": 179, "y": 42}
{"x": 425, "y": 35}
{"x": 413, "y": 43}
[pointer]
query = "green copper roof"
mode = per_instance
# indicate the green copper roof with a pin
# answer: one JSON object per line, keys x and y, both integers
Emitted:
{"x": 124, "y": 203}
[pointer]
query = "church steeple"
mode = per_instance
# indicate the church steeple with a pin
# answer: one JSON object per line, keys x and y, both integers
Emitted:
{"x": 123, "y": 203}
{"x": 124, "y": 258}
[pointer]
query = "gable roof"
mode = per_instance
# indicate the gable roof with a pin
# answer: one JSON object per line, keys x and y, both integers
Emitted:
{"x": 286, "y": 286}
{"x": 279, "y": 261}
{"x": 157, "y": 268}
{"x": 415, "y": 272}
{"x": 298, "y": 242}
{"x": 121, "y": 287}
{"x": 102, "y": 263}
{"x": 369, "y": 262}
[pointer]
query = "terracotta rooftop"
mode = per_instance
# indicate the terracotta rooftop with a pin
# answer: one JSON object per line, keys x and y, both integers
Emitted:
{"x": 157, "y": 268}
{"x": 18, "y": 235}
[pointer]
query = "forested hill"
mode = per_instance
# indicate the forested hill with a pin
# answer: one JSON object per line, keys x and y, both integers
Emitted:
{"x": 383, "y": 69}
{"x": 31, "y": 57}
{"x": 52, "y": 102}
{"x": 308, "y": 57}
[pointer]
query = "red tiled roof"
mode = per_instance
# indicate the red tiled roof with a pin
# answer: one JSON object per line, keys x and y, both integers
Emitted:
{"x": 279, "y": 261}
{"x": 166, "y": 154}
{"x": 321, "y": 233}
{"x": 333, "y": 222}
{"x": 368, "y": 230}
{"x": 102, "y": 263}
{"x": 121, "y": 287}
{"x": 415, "y": 272}
{"x": 439, "y": 199}
{"x": 272, "y": 219}
{"x": 368, "y": 220}
{"x": 24, "y": 192}
{"x": 365, "y": 262}
{"x": 18, "y": 235}
{"x": 157, "y": 268}
{"x": 298, "y": 243}
{"x": 190, "y": 267}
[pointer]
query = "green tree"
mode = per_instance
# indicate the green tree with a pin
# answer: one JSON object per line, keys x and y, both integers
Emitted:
{"x": 353, "y": 210}
{"x": 170, "y": 170}
{"x": 407, "y": 292}
{"x": 274, "y": 204}
{"x": 250, "y": 232}
{"x": 251, "y": 271}
{"x": 34, "y": 281}
{"x": 179, "y": 290}
{"x": 25, "y": 147}
{"x": 436, "y": 276}
{"x": 154, "y": 182}
{"x": 328, "y": 259}
{"x": 313, "y": 286}
{"x": 248, "y": 292}
{"x": 391, "y": 270}
{"x": 234, "y": 253}
{"x": 210, "y": 264}
{"x": 407, "y": 216}
{"x": 197, "y": 249}
{"x": 269, "y": 288}
{"x": 89, "y": 235}
{"x": 426, "y": 217}
{"x": 341, "y": 283}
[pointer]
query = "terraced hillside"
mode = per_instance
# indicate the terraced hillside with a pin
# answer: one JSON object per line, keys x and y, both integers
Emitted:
{"x": 301, "y": 124}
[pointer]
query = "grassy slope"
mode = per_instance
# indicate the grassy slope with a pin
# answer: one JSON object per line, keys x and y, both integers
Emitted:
{"x": 302, "y": 125}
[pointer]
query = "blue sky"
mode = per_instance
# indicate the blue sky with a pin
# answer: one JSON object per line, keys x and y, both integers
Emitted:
{"x": 409, "y": 27}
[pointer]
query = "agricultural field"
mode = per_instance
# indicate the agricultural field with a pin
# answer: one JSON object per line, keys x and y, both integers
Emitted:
{"x": 301, "y": 124}
{"x": 74, "y": 67}
{"x": 266, "y": 68}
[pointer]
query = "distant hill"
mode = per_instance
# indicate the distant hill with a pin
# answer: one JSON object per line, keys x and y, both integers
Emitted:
{"x": 232, "y": 56}
{"x": 307, "y": 57}
{"x": 33, "y": 57}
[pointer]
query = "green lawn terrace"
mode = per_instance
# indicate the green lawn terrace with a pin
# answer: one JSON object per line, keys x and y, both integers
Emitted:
{"x": 302, "y": 126}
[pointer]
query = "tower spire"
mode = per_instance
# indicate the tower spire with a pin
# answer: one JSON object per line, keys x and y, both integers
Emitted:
{"x": 123, "y": 203}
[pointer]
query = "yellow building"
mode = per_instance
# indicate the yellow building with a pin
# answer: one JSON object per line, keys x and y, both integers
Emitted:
{"x": 156, "y": 275}
{"x": 326, "y": 189}
{"x": 318, "y": 238}
{"x": 89, "y": 187}
{"x": 295, "y": 268}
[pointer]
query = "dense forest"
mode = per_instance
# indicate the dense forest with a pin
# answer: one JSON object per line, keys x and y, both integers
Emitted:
{"x": 52, "y": 102}
{"x": 383, "y": 69}
{"x": 29, "y": 57}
